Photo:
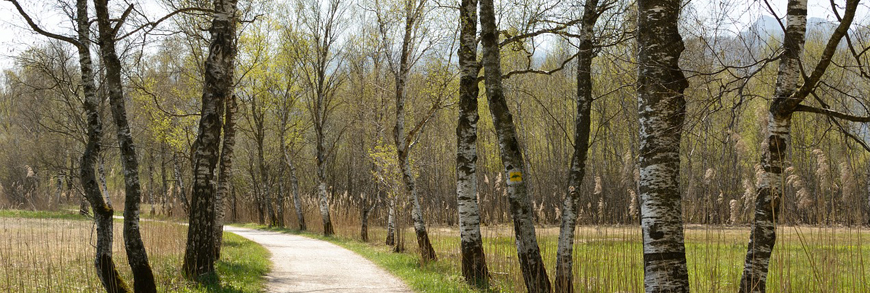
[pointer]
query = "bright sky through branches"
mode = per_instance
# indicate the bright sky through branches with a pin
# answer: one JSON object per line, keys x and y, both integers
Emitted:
{"x": 722, "y": 17}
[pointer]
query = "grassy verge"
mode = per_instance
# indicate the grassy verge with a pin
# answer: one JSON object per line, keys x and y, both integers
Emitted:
{"x": 241, "y": 268}
{"x": 63, "y": 214}
{"x": 431, "y": 277}
{"x": 610, "y": 258}
{"x": 53, "y": 252}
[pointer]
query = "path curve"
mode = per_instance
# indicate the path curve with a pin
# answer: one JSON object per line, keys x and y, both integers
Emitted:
{"x": 301, "y": 264}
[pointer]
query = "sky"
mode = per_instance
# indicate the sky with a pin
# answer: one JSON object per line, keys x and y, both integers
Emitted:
{"x": 15, "y": 36}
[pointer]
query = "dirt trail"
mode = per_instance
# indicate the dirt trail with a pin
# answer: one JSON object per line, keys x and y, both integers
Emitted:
{"x": 303, "y": 264}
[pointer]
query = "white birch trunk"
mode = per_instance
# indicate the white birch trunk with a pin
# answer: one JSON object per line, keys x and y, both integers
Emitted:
{"x": 661, "y": 113}
{"x": 473, "y": 260}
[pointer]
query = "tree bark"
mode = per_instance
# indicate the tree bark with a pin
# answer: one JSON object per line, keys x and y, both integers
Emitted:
{"x": 787, "y": 99}
{"x": 404, "y": 140}
{"x": 226, "y": 172}
{"x": 325, "y": 217}
{"x": 769, "y": 193}
{"x": 182, "y": 193}
{"x": 143, "y": 277}
{"x": 294, "y": 186}
{"x": 391, "y": 223}
{"x": 199, "y": 256}
{"x": 258, "y": 114}
{"x": 661, "y": 112}
{"x": 471, "y": 246}
{"x": 103, "y": 212}
{"x": 104, "y": 187}
{"x": 528, "y": 252}
{"x": 564, "y": 279}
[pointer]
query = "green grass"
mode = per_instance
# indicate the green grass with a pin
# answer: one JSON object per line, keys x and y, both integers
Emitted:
{"x": 430, "y": 277}
{"x": 63, "y": 214}
{"x": 610, "y": 258}
{"x": 242, "y": 266}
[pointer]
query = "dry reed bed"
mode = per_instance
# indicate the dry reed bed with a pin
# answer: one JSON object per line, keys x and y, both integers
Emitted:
{"x": 609, "y": 258}
{"x": 54, "y": 255}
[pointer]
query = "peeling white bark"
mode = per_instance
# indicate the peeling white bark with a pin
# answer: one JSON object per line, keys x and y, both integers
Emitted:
{"x": 661, "y": 113}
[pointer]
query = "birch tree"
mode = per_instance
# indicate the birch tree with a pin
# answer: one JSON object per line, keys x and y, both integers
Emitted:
{"x": 319, "y": 57}
{"x": 528, "y": 252}
{"x": 218, "y": 84}
{"x": 787, "y": 99}
{"x": 143, "y": 277}
{"x": 412, "y": 47}
{"x": 577, "y": 170}
{"x": 661, "y": 113}
{"x": 103, "y": 212}
{"x": 471, "y": 248}
{"x": 226, "y": 171}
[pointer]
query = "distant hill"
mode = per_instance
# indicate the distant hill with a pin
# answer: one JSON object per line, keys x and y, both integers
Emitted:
{"x": 767, "y": 28}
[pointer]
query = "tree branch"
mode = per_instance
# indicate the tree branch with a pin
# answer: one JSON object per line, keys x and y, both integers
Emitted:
{"x": 827, "y": 55}
{"x": 39, "y": 30}
{"x": 121, "y": 20}
{"x": 154, "y": 24}
{"x": 832, "y": 113}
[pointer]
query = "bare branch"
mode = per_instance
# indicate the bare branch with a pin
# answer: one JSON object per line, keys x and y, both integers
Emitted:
{"x": 39, "y": 30}
{"x": 153, "y": 24}
{"x": 832, "y": 113}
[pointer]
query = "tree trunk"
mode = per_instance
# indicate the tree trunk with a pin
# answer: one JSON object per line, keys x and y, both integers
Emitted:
{"x": 151, "y": 182}
{"x": 103, "y": 212}
{"x": 403, "y": 140}
{"x": 199, "y": 254}
{"x": 84, "y": 209}
{"x": 365, "y": 211}
{"x": 143, "y": 277}
{"x": 226, "y": 172}
{"x": 661, "y": 112}
{"x": 471, "y": 246}
{"x": 564, "y": 281}
{"x": 321, "y": 179}
{"x": 528, "y": 252}
{"x": 769, "y": 193}
{"x": 182, "y": 193}
{"x": 391, "y": 223}
{"x": 324, "y": 204}
{"x": 104, "y": 187}
{"x": 69, "y": 178}
{"x": 163, "y": 181}
{"x": 294, "y": 185}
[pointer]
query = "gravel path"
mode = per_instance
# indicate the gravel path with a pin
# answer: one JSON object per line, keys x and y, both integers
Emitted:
{"x": 302, "y": 264}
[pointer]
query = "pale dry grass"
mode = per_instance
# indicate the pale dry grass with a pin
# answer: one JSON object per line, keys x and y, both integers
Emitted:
{"x": 610, "y": 258}
{"x": 54, "y": 255}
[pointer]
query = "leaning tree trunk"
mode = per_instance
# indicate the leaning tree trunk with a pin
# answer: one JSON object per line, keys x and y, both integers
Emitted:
{"x": 528, "y": 252}
{"x": 143, "y": 277}
{"x": 471, "y": 246}
{"x": 103, "y": 212}
{"x": 199, "y": 256}
{"x": 226, "y": 171}
{"x": 662, "y": 110}
{"x": 403, "y": 140}
{"x": 564, "y": 254}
